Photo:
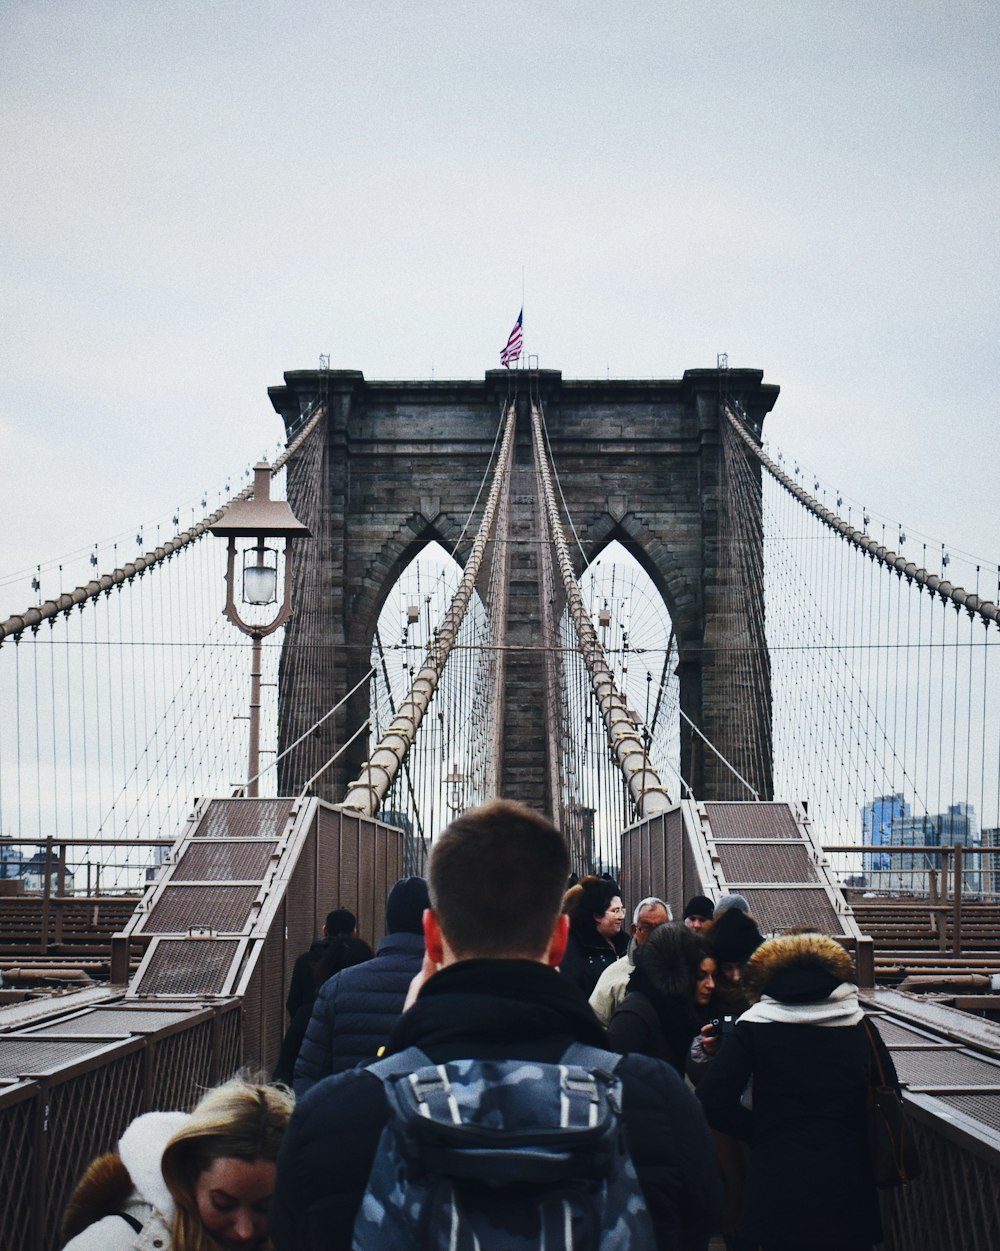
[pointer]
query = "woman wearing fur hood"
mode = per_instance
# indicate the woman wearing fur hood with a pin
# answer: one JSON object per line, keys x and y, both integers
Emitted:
{"x": 804, "y": 1047}
{"x": 199, "y": 1181}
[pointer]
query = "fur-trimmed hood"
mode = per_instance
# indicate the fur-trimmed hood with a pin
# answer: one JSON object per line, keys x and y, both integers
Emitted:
{"x": 797, "y": 968}
{"x": 134, "y": 1170}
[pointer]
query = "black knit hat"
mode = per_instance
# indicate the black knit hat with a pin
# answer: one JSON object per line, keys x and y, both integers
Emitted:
{"x": 734, "y": 936}
{"x": 404, "y": 909}
{"x": 699, "y": 906}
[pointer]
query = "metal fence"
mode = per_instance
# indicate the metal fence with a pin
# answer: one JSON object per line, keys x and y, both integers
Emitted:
{"x": 955, "y": 1203}
{"x": 70, "y": 1084}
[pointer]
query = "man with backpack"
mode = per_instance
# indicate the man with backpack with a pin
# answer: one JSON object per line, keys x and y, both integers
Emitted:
{"x": 497, "y": 1118}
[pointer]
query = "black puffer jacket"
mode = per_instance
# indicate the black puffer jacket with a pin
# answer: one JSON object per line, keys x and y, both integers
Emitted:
{"x": 356, "y": 1010}
{"x": 501, "y": 1009}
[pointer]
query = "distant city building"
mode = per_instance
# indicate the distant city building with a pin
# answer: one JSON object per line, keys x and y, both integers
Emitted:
{"x": 12, "y": 858}
{"x": 876, "y": 830}
{"x": 957, "y": 828}
{"x": 34, "y": 874}
{"x": 906, "y": 872}
{"x": 990, "y": 869}
{"x": 909, "y": 872}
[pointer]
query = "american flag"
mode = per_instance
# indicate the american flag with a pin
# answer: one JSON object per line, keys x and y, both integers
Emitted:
{"x": 512, "y": 351}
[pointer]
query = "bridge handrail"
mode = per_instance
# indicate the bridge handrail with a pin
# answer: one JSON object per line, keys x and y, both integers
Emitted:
{"x": 49, "y": 609}
{"x": 974, "y": 605}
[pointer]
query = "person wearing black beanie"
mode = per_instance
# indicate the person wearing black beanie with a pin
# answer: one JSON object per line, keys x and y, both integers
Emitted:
{"x": 733, "y": 937}
{"x": 356, "y": 1009}
{"x": 405, "y": 907}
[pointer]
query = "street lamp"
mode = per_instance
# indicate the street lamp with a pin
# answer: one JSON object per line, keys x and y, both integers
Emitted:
{"x": 455, "y": 784}
{"x": 258, "y": 518}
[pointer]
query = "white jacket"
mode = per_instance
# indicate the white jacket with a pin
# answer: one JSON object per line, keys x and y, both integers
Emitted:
{"x": 612, "y": 986}
{"x": 151, "y": 1204}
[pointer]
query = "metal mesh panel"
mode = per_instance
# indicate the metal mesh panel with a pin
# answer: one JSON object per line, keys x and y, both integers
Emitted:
{"x": 779, "y": 909}
{"x": 24, "y": 1056}
{"x": 328, "y": 872}
{"x": 945, "y": 1067}
{"x": 229, "y": 861}
{"x": 752, "y": 821}
{"x": 895, "y": 1034}
{"x": 182, "y": 1067}
{"x": 756, "y": 863}
{"x": 17, "y": 1164}
{"x": 691, "y": 877}
{"x": 348, "y": 876}
{"x": 954, "y": 1206}
{"x": 191, "y": 966}
{"x": 114, "y": 1021}
{"x": 181, "y": 908}
{"x": 86, "y": 1118}
{"x": 302, "y": 925}
{"x": 671, "y": 885}
{"x": 982, "y": 1108}
{"x": 230, "y": 1043}
{"x": 251, "y": 1017}
{"x": 244, "y": 818}
{"x": 273, "y": 1000}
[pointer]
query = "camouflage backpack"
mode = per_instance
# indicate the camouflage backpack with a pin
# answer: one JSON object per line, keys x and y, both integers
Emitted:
{"x": 503, "y": 1154}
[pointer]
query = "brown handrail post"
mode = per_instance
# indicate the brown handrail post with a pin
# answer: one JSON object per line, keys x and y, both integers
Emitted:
{"x": 43, "y": 940}
{"x": 956, "y": 925}
{"x": 119, "y": 959}
{"x": 864, "y": 961}
{"x": 937, "y": 916}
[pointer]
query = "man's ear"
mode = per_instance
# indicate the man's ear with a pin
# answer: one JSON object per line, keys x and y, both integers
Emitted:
{"x": 433, "y": 939}
{"x": 558, "y": 941}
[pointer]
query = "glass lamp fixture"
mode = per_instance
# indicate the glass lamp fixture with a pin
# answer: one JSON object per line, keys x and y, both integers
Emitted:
{"x": 258, "y": 518}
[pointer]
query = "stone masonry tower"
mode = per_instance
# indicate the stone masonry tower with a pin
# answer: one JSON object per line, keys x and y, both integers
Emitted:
{"x": 398, "y": 464}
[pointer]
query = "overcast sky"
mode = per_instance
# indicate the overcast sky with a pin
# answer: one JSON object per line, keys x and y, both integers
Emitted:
{"x": 199, "y": 195}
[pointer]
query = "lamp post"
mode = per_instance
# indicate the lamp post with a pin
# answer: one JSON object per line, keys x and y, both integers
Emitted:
{"x": 259, "y": 518}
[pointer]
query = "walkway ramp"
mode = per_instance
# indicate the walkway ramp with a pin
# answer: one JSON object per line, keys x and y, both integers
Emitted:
{"x": 764, "y": 851}
{"x": 244, "y": 891}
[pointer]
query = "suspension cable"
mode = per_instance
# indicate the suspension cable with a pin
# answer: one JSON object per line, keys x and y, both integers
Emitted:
{"x": 14, "y": 626}
{"x": 972, "y": 603}
{"x": 648, "y": 792}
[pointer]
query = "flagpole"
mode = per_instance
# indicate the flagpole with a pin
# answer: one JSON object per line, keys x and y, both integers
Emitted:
{"x": 522, "y": 300}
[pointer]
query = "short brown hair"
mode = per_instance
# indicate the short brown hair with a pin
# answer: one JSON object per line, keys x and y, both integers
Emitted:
{"x": 496, "y": 877}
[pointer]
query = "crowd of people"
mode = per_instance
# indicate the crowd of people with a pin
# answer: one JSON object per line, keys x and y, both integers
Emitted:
{"x": 725, "y": 1073}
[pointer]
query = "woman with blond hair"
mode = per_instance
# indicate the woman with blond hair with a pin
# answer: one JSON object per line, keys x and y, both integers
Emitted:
{"x": 180, "y": 1182}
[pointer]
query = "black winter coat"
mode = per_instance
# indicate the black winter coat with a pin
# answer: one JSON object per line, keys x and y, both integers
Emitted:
{"x": 356, "y": 1010}
{"x": 491, "y": 1009}
{"x": 809, "y": 1181}
{"x": 656, "y": 1024}
{"x": 588, "y": 954}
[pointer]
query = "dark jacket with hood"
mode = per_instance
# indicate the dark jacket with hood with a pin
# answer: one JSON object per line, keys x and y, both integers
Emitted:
{"x": 803, "y": 1044}
{"x": 659, "y": 1016}
{"x": 490, "y": 1009}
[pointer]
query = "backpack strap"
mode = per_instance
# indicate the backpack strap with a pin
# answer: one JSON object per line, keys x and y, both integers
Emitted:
{"x": 407, "y": 1061}
{"x": 588, "y": 1057}
{"x": 129, "y": 1219}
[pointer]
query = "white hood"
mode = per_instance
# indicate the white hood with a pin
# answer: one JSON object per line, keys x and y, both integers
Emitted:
{"x": 141, "y": 1148}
